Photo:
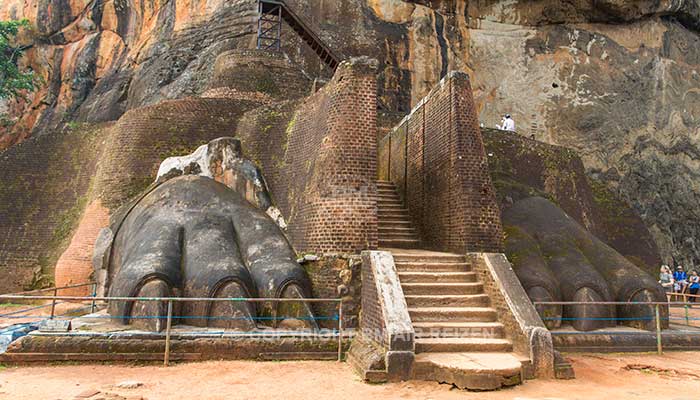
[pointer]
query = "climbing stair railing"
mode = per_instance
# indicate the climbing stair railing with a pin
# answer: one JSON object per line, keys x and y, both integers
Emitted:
{"x": 271, "y": 14}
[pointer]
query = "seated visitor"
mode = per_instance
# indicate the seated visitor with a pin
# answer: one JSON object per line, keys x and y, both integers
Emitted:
{"x": 681, "y": 279}
{"x": 693, "y": 285}
{"x": 507, "y": 124}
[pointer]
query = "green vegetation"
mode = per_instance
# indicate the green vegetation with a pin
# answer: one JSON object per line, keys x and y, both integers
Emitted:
{"x": 14, "y": 81}
{"x": 66, "y": 224}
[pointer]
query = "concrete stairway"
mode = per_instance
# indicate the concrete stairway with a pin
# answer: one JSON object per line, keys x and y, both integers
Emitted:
{"x": 395, "y": 228}
{"x": 458, "y": 337}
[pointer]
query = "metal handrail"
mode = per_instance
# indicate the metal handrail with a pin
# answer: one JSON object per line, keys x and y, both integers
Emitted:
{"x": 620, "y": 303}
{"x": 170, "y": 300}
{"x": 108, "y": 298}
{"x": 656, "y": 304}
{"x": 54, "y": 288}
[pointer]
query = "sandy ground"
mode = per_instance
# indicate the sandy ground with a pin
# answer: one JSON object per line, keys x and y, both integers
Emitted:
{"x": 674, "y": 376}
{"x": 678, "y": 315}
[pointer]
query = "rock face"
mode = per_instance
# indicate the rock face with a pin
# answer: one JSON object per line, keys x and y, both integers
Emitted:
{"x": 617, "y": 81}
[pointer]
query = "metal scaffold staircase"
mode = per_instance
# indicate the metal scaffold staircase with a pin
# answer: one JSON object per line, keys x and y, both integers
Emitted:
{"x": 271, "y": 15}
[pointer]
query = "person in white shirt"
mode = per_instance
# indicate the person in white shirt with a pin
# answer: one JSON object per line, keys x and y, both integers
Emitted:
{"x": 507, "y": 124}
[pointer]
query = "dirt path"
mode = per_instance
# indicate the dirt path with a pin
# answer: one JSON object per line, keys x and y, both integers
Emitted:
{"x": 614, "y": 377}
{"x": 678, "y": 315}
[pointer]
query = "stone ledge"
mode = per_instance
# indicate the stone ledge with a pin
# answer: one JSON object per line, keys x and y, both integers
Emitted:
{"x": 36, "y": 348}
{"x": 522, "y": 323}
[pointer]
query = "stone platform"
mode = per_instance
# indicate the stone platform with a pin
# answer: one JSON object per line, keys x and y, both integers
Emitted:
{"x": 474, "y": 371}
{"x": 625, "y": 339}
{"x": 95, "y": 338}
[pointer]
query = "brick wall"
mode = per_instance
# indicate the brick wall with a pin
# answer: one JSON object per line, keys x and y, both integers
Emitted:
{"x": 144, "y": 137}
{"x": 318, "y": 156}
{"x": 43, "y": 189}
{"x": 256, "y": 72}
{"x": 436, "y": 158}
{"x": 332, "y": 164}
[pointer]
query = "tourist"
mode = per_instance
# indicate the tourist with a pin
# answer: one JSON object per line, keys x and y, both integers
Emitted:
{"x": 666, "y": 279}
{"x": 693, "y": 285}
{"x": 507, "y": 124}
{"x": 681, "y": 280}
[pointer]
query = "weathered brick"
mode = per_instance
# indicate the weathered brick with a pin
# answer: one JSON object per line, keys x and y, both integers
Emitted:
{"x": 436, "y": 158}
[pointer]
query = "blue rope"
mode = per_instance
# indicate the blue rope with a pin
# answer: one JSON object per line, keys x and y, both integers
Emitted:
{"x": 597, "y": 319}
{"x": 618, "y": 333}
{"x": 65, "y": 316}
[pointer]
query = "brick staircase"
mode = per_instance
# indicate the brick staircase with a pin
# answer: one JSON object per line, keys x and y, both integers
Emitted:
{"x": 458, "y": 337}
{"x": 395, "y": 228}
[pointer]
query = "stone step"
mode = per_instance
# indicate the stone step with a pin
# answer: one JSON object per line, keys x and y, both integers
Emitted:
{"x": 459, "y": 329}
{"x": 443, "y": 288}
{"x": 465, "y": 300}
{"x": 398, "y": 236}
{"x": 436, "y": 277}
{"x": 474, "y": 371}
{"x": 432, "y": 266}
{"x": 399, "y": 223}
{"x": 452, "y": 314}
{"x": 397, "y": 229}
{"x": 393, "y": 212}
{"x": 393, "y": 217}
{"x": 388, "y": 195}
{"x": 426, "y": 256}
{"x": 384, "y": 206}
{"x": 459, "y": 345}
{"x": 385, "y": 201}
{"x": 399, "y": 243}
{"x": 394, "y": 222}
{"x": 387, "y": 190}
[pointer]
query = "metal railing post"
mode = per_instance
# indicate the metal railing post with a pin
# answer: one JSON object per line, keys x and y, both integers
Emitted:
{"x": 168, "y": 325}
{"x": 659, "y": 350}
{"x": 340, "y": 331}
{"x": 93, "y": 304}
{"x": 53, "y": 303}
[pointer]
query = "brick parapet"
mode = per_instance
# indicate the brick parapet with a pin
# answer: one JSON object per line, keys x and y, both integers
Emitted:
{"x": 436, "y": 158}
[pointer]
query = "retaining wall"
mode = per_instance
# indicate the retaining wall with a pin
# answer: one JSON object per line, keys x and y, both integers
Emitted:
{"x": 436, "y": 158}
